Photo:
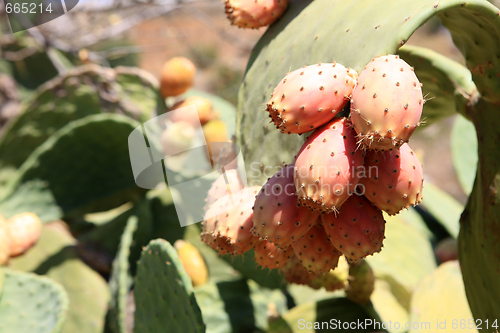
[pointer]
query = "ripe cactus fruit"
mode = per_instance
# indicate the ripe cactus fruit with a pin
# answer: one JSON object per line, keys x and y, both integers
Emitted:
{"x": 335, "y": 279}
{"x": 192, "y": 261}
{"x": 5, "y": 241}
{"x": 203, "y": 108}
{"x": 25, "y": 229}
{"x": 221, "y": 151}
{"x": 229, "y": 221}
{"x": 230, "y": 183}
{"x": 361, "y": 283}
{"x": 397, "y": 179}
{"x": 386, "y": 104}
{"x": 295, "y": 272}
{"x": 315, "y": 251}
{"x": 177, "y": 137}
{"x": 310, "y": 97}
{"x": 270, "y": 256}
{"x": 254, "y": 14}
{"x": 358, "y": 229}
{"x": 177, "y": 76}
{"x": 327, "y": 166}
{"x": 277, "y": 217}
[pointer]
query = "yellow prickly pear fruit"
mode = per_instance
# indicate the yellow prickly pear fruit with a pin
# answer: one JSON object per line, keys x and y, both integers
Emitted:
{"x": 5, "y": 241}
{"x": 361, "y": 283}
{"x": 216, "y": 131}
{"x": 192, "y": 261}
{"x": 177, "y": 76}
{"x": 25, "y": 231}
{"x": 203, "y": 107}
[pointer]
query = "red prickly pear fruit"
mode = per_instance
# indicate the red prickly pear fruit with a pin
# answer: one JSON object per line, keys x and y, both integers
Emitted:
{"x": 270, "y": 256}
{"x": 386, "y": 104}
{"x": 446, "y": 250}
{"x": 358, "y": 229}
{"x": 5, "y": 241}
{"x": 310, "y": 97}
{"x": 231, "y": 226}
{"x": 315, "y": 251}
{"x": 24, "y": 231}
{"x": 295, "y": 272}
{"x": 335, "y": 279}
{"x": 221, "y": 188}
{"x": 397, "y": 180}
{"x": 254, "y": 14}
{"x": 361, "y": 283}
{"x": 327, "y": 165}
{"x": 177, "y": 76}
{"x": 277, "y": 217}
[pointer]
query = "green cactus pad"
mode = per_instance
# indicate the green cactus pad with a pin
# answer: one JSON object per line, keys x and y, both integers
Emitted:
{"x": 163, "y": 293}
{"x": 31, "y": 303}
{"x": 82, "y": 168}
{"x": 464, "y": 152}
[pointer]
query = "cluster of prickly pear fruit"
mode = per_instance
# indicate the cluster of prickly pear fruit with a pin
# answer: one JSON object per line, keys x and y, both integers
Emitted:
{"x": 18, "y": 234}
{"x": 253, "y": 14}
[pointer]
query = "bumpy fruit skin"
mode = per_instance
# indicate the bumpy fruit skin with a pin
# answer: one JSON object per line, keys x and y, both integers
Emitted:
{"x": 386, "y": 104}
{"x": 277, "y": 216}
{"x": 361, "y": 283}
{"x": 228, "y": 223}
{"x": 358, "y": 229}
{"x": 315, "y": 251}
{"x": 327, "y": 166}
{"x": 220, "y": 188}
{"x": 269, "y": 256}
{"x": 192, "y": 261}
{"x": 177, "y": 137}
{"x": 295, "y": 272}
{"x": 177, "y": 76}
{"x": 335, "y": 279}
{"x": 394, "y": 179}
{"x": 5, "y": 241}
{"x": 254, "y": 14}
{"x": 311, "y": 96}
{"x": 24, "y": 231}
{"x": 203, "y": 108}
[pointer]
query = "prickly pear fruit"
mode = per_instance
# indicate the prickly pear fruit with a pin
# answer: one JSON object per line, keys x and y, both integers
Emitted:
{"x": 176, "y": 138}
{"x": 358, "y": 229}
{"x": 228, "y": 183}
{"x": 395, "y": 179}
{"x": 446, "y": 250}
{"x": 25, "y": 229}
{"x": 277, "y": 216}
{"x": 327, "y": 166}
{"x": 254, "y": 14}
{"x": 221, "y": 151}
{"x": 203, "y": 108}
{"x": 295, "y": 272}
{"x": 270, "y": 256}
{"x": 386, "y": 104}
{"x": 361, "y": 283}
{"x": 228, "y": 223}
{"x": 177, "y": 76}
{"x": 335, "y": 279}
{"x": 5, "y": 241}
{"x": 192, "y": 261}
{"x": 310, "y": 97}
{"x": 315, "y": 251}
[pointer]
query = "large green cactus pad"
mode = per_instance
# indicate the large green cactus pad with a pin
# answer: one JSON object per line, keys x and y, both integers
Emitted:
{"x": 31, "y": 303}
{"x": 163, "y": 292}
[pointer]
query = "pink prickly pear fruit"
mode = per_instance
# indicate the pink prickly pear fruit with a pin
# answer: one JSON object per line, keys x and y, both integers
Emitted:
{"x": 230, "y": 183}
{"x": 254, "y": 14}
{"x": 295, "y": 272}
{"x": 177, "y": 138}
{"x": 358, "y": 229}
{"x": 229, "y": 222}
{"x": 315, "y": 251}
{"x": 5, "y": 241}
{"x": 361, "y": 283}
{"x": 386, "y": 104}
{"x": 395, "y": 179}
{"x": 277, "y": 217}
{"x": 446, "y": 250}
{"x": 335, "y": 279}
{"x": 310, "y": 97}
{"x": 270, "y": 256}
{"x": 24, "y": 231}
{"x": 328, "y": 167}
